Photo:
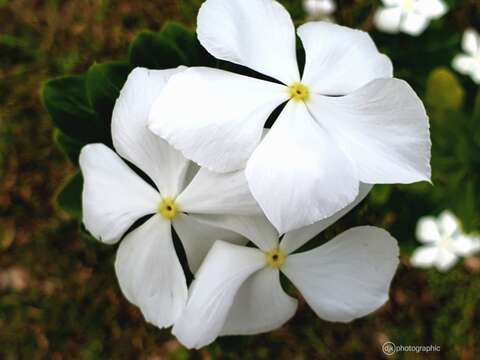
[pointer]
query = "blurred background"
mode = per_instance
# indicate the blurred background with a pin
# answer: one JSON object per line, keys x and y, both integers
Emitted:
{"x": 59, "y": 297}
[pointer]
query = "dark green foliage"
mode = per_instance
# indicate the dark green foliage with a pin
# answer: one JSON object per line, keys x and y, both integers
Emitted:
{"x": 69, "y": 196}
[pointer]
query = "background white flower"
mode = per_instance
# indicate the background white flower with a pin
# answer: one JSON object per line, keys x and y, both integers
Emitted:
{"x": 115, "y": 197}
{"x": 319, "y": 8}
{"x": 469, "y": 63}
{"x": 408, "y": 16}
{"x": 237, "y": 290}
{"x": 444, "y": 242}
{"x": 310, "y": 163}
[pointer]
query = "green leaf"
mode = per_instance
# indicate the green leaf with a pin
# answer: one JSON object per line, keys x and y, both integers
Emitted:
{"x": 68, "y": 145}
{"x": 69, "y": 196}
{"x": 104, "y": 82}
{"x": 155, "y": 51}
{"x": 444, "y": 90}
{"x": 66, "y": 101}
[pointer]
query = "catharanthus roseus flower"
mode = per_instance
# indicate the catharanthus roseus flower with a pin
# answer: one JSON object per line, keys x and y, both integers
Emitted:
{"x": 408, "y": 16}
{"x": 115, "y": 197}
{"x": 237, "y": 290}
{"x": 345, "y": 119}
{"x": 469, "y": 63}
{"x": 444, "y": 242}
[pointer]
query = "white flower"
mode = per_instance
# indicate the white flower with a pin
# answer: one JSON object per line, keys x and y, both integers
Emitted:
{"x": 409, "y": 16}
{"x": 115, "y": 197}
{"x": 444, "y": 242}
{"x": 469, "y": 63}
{"x": 319, "y": 8}
{"x": 237, "y": 290}
{"x": 308, "y": 166}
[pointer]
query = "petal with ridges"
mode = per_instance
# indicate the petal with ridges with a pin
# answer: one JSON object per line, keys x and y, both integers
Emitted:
{"x": 382, "y": 127}
{"x": 150, "y": 274}
{"x": 131, "y": 137}
{"x": 298, "y": 174}
{"x": 348, "y": 277}
{"x": 258, "y": 34}
{"x": 260, "y": 305}
{"x": 214, "y": 117}
{"x": 212, "y": 293}
{"x": 114, "y": 196}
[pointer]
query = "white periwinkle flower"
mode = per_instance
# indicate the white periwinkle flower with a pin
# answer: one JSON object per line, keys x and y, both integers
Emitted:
{"x": 409, "y": 16}
{"x": 237, "y": 290}
{"x": 469, "y": 63}
{"x": 444, "y": 242}
{"x": 344, "y": 121}
{"x": 115, "y": 197}
{"x": 319, "y": 8}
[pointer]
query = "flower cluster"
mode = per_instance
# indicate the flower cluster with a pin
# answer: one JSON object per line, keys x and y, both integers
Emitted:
{"x": 193, "y": 155}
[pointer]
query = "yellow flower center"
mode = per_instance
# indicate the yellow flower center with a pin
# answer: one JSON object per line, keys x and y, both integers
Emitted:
{"x": 299, "y": 92}
{"x": 408, "y": 5}
{"x": 168, "y": 208}
{"x": 275, "y": 258}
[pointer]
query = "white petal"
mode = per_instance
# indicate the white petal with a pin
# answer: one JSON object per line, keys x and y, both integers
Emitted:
{"x": 392, "y": 2}
{"x": 464, "y": 64}
{"x": 382, "y": 127}
{"x": 217, "y": 193}
{"x": 296, "y": 238}
{"x": 348, "y": 277}
{"x": 298, "y": 174}
{"x": 431, "y": 8}
{"x": 215, "y": 117}
{"x": 424, "y": 256}
{"x": 465, "y": 245}
{"x": 255, "y": 228}
{"x": 260, "y": 305}
{"x": 319, "y": 7}
{"x": 198, "y": 237}
{"x": 131, "y": 137}
{"x": 414, "y": 24}
{"x": 448, "y": 223}
{"x": 427, "y": 230}
{"x": 150, "y": 274}
{"x": 258, "y": 34}
{"x": 388, "y": 19}
{"x": 212, "y": 293}
{"x": 114, "y": 196}
{"x": 471, "y": 42}
{"x": 445, "y": 259}
{"x": 340, "y": 60}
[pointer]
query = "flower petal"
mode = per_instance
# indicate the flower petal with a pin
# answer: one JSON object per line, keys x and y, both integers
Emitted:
{"x": 260, "y": 305}
{"x": 212, "y": 293}
{"x": 258, "y": 34}
{"x": 150, "y": 274}
{"x": 113, "y": 197}
{"x": 382, "y": 127}
{"x": 217, "y": 193}
{"x": 198, "y": 237}
{"x": 215, "y": 117}
{"x": 298, "y": 174}
{"x": 340, "y": 60}
{"x": 471, "y": 42}
{"x": 424, "y": 256}
{"x": 131, "y": 137}
{"x": 431, "y": 8}
{"x": 465, "y": 245}
{"x": 348, "y": 277}
{"x": 293, "y": 240}
{"x": 445, "y": 259}
{"x": 427, "y": 230}
{"x": 255, "y": 228}
{"x": 414, "y": 23}
{"x": 388, "y": 19}
{"x": 448, "y": 223}
{"x": 464, "y": 64}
